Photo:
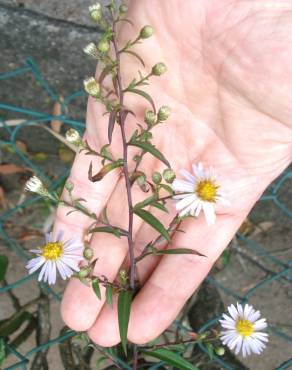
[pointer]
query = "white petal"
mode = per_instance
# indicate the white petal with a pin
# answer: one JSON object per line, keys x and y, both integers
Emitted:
{"x": 52, "y": 273}
{"x": 43, "y": 270}
{"x": 233, "y": 312}
{"x": 255, "y": 316}
{"x": 198, "y": 209}
{"x": 260, "y": 324}
{"x": 182, "y": 186}
{"x": 186, "y": 174}
{"x": 71, "y": 263}
{"x": 209, "y": 212}
{"x": 35, "y": 264}
{"x": 240, "y": 309}
{"x": 199, "y": 170}
{"x": 183, "y": 203}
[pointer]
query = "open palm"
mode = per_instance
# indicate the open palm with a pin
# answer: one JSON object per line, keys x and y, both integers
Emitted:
{"x": 228, "y": 83}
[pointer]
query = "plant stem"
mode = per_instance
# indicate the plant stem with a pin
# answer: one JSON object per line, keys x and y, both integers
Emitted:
{"x": 125, "y": 164}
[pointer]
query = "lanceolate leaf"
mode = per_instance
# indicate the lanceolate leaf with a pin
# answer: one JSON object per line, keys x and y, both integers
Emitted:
{"x": 153, "y": 221}
{"x": 105, "y": 170}
{"x": 171, "y": 358}
{"x": 108, "y": 229}
{"x": 96, "y": 288}
{"x": 178, "y": 251}
{"x": 160, "y": 206}
{"x": 146, "y": 202}
{"x": 135, "y": 55}
{"x": 109, "y": 295}
{"x": 111, "y": 125}
{"x": 3, "y": 266}
{"x": 124, "y": 307}
{"x": 148, "y": 147}
{"x": 144, "y": 95}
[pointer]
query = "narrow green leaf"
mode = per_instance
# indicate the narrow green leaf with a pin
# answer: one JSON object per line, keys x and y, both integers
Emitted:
{"x": 160, "y": 206}
{"x": 105, "y": 170}
{"x": 108, "y": 229}
{"x": 152, "y": 221}
{"x": 171, "y": 358}
{"x": 2, "y": 351}
{"x": 144, "y": 95}
{"x": 146, "y": 202}
{"x": 3, "y": 266}
{"x": 167, "y": 188}
{"x": 135, "y": 55}
{"x": 14, "y": 323}
{"x": 178, "y": 251}
{"x": 210, "y": 350}
{"x": 148, "y": 147}
{"x": 111, "y": 124}
{"x": 124, "y": 307}
{"x": 96, "y": 288}
{"x": 109, "y": 295}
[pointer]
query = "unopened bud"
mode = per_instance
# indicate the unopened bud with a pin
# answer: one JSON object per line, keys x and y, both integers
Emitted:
{"x": 159, "y": 69}
{"x": 220, "y": 351}
{"x": 95, "y": 12}
{"x": 123, "y": 9}
{"x": 92, "y": 87}
{"x": 150, "y": 117}
{"x": 169, "y": 175}
{"x": 163, "y": 113}
{"x": 91, "y": 50}
{"x": 141, "y": 180}
{"x": 35, "y": 185}
{"x": 156, "y": 177}
{"x": 84, "y": 272}
{"x": 103, "y": 46}
{"x": 146, "y": 32}
{"x": 88, "y": 253}
{"x": 73, "y": 137}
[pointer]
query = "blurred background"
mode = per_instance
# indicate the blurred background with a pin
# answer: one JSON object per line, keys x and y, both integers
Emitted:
{"x": 42, "y": 68}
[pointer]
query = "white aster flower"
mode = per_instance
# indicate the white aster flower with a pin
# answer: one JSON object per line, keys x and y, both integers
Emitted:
{"x": 242, "y": 330}
{"x": 73, "y": 137}
{"x": 91, "y": 50}
{"x": 56, "y": 254}
{"x": 95, "y": 12}
{"x": 35, "y": 185}
{"x": 201, "y": 192}
{"x": 91, "y": 86}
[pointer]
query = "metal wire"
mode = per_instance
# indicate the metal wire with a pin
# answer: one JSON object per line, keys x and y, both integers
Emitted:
{"x": 283, "y": 268}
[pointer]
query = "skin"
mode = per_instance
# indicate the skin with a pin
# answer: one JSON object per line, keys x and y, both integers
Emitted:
{"x": 229, "y": 85}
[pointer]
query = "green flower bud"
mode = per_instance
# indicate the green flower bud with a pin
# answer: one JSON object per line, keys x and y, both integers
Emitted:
{"x": 156, "y": 177}
{"x": 69, "y": 186}
{"x": 84, "y": 272}
{"x": 92, "y": 87}
{"x": 164, "y": 113}
{"x": 103, "y": 46}
{"x": 146, "y": 32}
{"x": 150, "y": 117}
{"x": 159, "y": 69}
{"x": 220, "y": 351}
{"x": 88, "y": 253}
{"x": 169, "y": 175}
{"x": 141, "y": 180}
{"x": 95, "y": 12}
{"x": 123, "y": 9}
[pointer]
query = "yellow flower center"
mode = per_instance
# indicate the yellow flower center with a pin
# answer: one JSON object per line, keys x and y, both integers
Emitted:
{"x": 244, "y": 327}
{"x": 206, "y": 190}
{"x": 52, "y": 251}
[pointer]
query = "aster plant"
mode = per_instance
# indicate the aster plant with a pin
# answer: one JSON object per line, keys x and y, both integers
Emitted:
{"x": 198, "y": 192}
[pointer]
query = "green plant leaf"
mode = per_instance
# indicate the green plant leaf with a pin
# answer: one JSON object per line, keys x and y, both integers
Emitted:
{"x": 2, "y": 351}
{"x": 111, "y": 124}
{"x": 152, "y": 221}
{"x": 148, "y": 147}
{"x": 160, "y": 206}
{"x": 146, "y": 202}
{"x": 3, "y": 266}
{"x": 171, "y": 358}
{"x": 178, "y": 251}
{"x": 108, "y": 229}
{"x": 13, "y": 323}
{"x": 105, "y": 170}
{"x": 109, "y": 295}
{"x": 144, "y": 95}
{"x": 96, "y": 288}
{"x": 124, "y": 307}
{"x": 135, "y": 55}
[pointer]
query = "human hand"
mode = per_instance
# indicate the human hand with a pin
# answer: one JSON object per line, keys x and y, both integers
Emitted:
{"x": 228, "y": 84}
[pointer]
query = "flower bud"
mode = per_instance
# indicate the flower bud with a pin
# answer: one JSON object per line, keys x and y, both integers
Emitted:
{"x": 146, "y": 32}
{"x": 163, "y": 113}
{"x": 156, "y": 177}
{"x": 141, "y": 180}
{"x": 150, "y": 117}
{"x": 95, "y": 12}
{"x": 169, "y": 175}
{"x": 92, "y": 87}
{"x": 73, "y": 137}
{"x": 84, "y": 272}
{"x": 123, "y": 9}
{"x": 91, "y": 50}
{"x": 159, "y": 69}
{"x": 103, "y": 46}
{"x": 220, "y": 351}
{"x": 35, "y": 185}
{"x": 88, "y": 253}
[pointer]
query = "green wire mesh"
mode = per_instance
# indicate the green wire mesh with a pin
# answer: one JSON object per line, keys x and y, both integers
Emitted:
{"x": 283, "y": 268}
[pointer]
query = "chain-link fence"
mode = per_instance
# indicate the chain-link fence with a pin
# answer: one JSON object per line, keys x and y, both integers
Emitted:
{"x": 276, "y": 268}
